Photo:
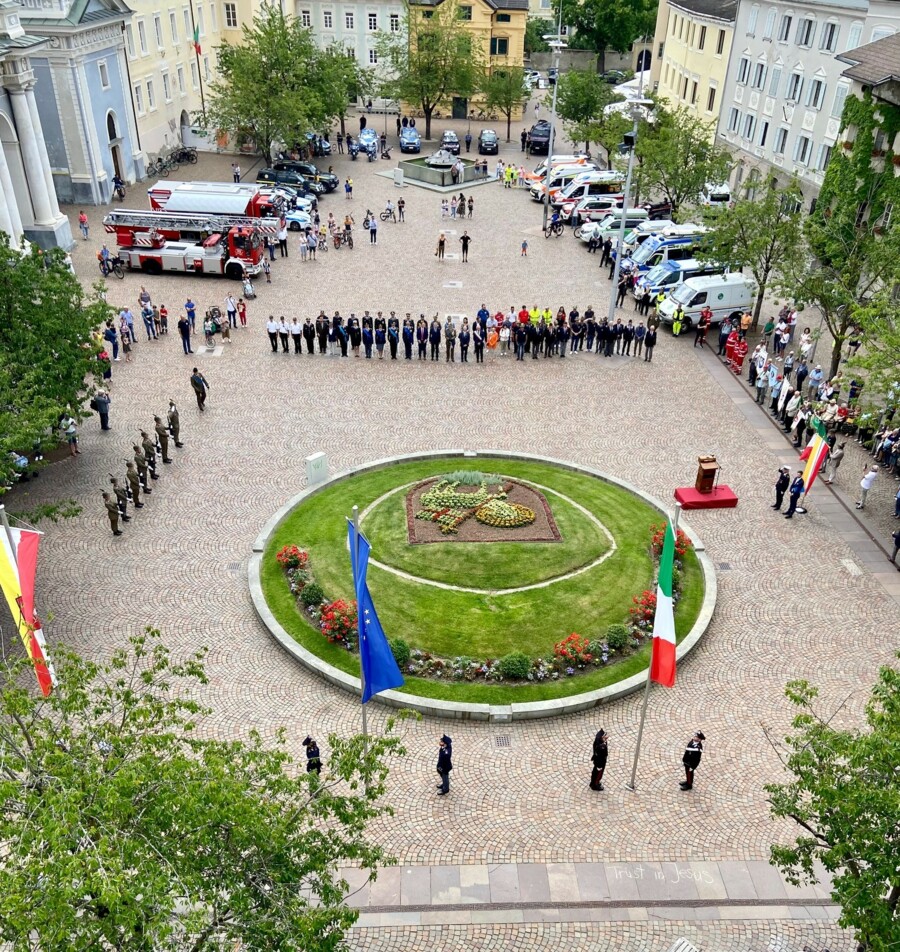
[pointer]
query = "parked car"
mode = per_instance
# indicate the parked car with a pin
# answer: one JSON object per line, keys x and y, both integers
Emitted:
{"x": 552, "y": 75}
{"x": 533, "y": 75}
{"x": 539, "y": 138}
{"x": 294, "y": 179}
{"x": 592, "y": 208}
{"x": 614, "y": 77}
{"x": 612, "y": 224}
{"x": 488, "y": 143}
{"x": 410, "y": 140}
{"x": 310, "y": 172}
{"x": 317, "y": 145}
{"x": 668, "y": 275}
{"x": 368, "y": 140}
{"x": 291, "y": 197}
{"x": 298, "y": 220}
{"x": 450, "y": 142}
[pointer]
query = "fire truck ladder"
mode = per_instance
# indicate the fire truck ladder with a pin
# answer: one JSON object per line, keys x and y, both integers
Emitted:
{"x": 185, "y": 221}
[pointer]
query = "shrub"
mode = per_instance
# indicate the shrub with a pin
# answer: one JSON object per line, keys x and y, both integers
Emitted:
{"x": 504, "y": 515}
{"x": 401, "y": 652}
{"x": 617, "y": 637}
{"x": 338, "y": 623}
{"x": 574, "y": 648}
{"x": 312, "y": 595}
{"x": 471, "y": 477}
{"x": 643, "y": 609}
{"x": 682, "y": 542}
{"x": 516, "y": 666}
{"x": 290, "y": 557}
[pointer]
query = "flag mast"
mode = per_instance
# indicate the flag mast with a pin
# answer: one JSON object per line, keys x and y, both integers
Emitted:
{"x": 637, "y": 750}
{"x": 359, "y": 631}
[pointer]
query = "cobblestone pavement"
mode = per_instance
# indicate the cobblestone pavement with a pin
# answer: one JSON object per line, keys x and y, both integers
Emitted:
{"x": 792, "y": 602}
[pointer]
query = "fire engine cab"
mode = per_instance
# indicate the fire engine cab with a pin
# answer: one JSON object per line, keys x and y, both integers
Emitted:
{"x": 154, "y": 242}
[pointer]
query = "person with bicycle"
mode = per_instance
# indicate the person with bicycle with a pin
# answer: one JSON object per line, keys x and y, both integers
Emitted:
{"x": 118, "y": 186}
{"x": 389, "y": 212}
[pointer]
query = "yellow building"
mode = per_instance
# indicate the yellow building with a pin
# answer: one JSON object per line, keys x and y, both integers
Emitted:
{"x": 692, "y": 45}
{"x": 498, "y": 30}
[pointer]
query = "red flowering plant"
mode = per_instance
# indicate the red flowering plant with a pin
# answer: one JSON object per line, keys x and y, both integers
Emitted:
{"x": 682, "y": 542}
{"x": 643, "y": 610}
{"x": 338, "y": 623}
{"x": 291, "y": 557}
{"x": 572, "y": 652}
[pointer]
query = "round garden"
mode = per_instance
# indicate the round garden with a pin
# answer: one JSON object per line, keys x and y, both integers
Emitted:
{"x": 497, "y": 580}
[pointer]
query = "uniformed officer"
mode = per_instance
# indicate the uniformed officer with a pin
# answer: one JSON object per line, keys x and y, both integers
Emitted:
{"x": 781, "y": 485}
{"x": 112, "y": 510}
{"x": 134, "y": 482}
{"x": 691, "y": 759}
{"x": 141, "y": 462}
{"x": 149, "y": 448}
{"x": 162, "y": 435}
{"x": 598, "y": 759}
{"x": 313, "y": 757}
{"x": 121, "y": 499}
{"x": 174, "y": 424}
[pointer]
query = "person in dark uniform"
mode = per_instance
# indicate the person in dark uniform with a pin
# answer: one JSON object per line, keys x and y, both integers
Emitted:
{"x": 610, "y": 339}
{"x": 134, "y": 482}
{"x": 149, "y": 449}
{"x": 649, "y": 344}
{"x": 368, "y": 338}
{"x": 478, "y": 341}
{"x": 640, "y": 332}
{"x": 562, "y": 338}
{"x": 691, "y": 759}
{"x": 393, "y": 330}
{"x": 796, "y": 491}
{"x": 590, "y": 327}
{"x": 598, "y": 759}
{"x": 409, "y": 335}
{"x": 618, "y": 335}
{"x": 342, "y": 336}
{"x": 450, "y": 341}
{"x": 174, "y": 424}
{"x": 121, "y": 498}
{"x": 112, "y": 510}
{"x": 422, "y": 337}
{"x": 445, "y": 764}
{"x": 380, "y": 338}
{"x": 434, "y": 338}
{"x": 322, "y": 325}
{"x": 162, "y": 434}
{"x": 464, "y": 337}
{"x": 627, "y": 338}
{"x": 550, "y": 340}
{"x": 781, "y": 486}
{"x": 355, "y": 333}
{"x": 140, "y": 461}
{"x": 309, "y": 335}
{"x": 200, "y": 387}
{"x": 313, "y": 758}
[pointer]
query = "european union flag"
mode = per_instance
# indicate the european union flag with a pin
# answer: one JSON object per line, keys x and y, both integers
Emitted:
{"x": 380, "y": 671}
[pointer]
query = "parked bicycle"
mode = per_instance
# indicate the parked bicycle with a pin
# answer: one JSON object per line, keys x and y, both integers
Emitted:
{"x": 343, "y": 238}
{"x": 113, "y": 265}
{"x": 554, "y": 229}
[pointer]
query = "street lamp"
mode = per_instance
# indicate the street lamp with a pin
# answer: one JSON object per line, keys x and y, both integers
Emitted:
{"x": 557, "y": 44}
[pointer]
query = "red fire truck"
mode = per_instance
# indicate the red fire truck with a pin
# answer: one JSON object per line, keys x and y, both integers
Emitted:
{"x": 154, "y": 242}
{"x": 213, "y": 198}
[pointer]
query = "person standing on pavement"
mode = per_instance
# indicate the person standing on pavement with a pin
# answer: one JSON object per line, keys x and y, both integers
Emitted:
{"x": 796, "y": 491}
{"x": 373, "y": 230}
{"x": 834, "y": 461}
{"x": 598, "y": 759}
{"x": 468, "y": 142}
{"x": 140, "y": 460}
{"x": 134, "y": 481}
{"x": 313, "y": 757}
{"x": 465, "y": 238}
{"x": 524, "y": 139}
{"x": 162, "y": 434}
{"x": 865, "y": 484}
{"x": 282, "y": 238}
{"x": 101, "y": 403}
{"x": 184, "y": 329}
{"x": 691, "y": 759}
{"x": 121, "y": 495}
{"x": 444, "y": 764}
{"x": 896, "y": 537}
{"x": 231, "y": 309}
{"x": 434, "y": 338}
{"x": 174, "y": 424}
{"x": 200, "y": 387}
{"x": 272, "y": 331}
{"x": 781, "y": 486}
{"x": 649, "y": 344}
{"x": 112, "y": 511}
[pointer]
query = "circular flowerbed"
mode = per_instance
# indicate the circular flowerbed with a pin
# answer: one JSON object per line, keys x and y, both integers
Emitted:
{"x": 491, "y": 622}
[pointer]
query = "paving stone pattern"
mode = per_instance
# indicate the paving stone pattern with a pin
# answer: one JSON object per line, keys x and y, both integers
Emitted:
{"x": 788, "y": 607}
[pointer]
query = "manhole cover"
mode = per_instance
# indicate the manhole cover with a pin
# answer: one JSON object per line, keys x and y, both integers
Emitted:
{"x": 724, "y": 566}
{"x": 502, "y": 740}
{"x": 234, "y": 566}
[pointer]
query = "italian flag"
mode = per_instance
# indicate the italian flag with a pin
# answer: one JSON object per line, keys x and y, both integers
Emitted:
{"x": 815, "y": 454}
{"x": 197, "y": 39}
{"x": 662, "y": 662}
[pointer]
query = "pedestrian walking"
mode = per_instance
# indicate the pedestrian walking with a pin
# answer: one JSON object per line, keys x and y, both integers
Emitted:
{"x": 112, "y": 511}
{"x": 691, "y": 759}
{"x": 896, "y": 537}
{"x": 834, "y": 461}
{"x": 200, "y": 387}
{"x": 865, "y": 485}
{"x": 174, "y": 424}
{"x": 598, "y": 759}
{"x": 184, "y": 330}
{"x": 444, "y": 764}
{"x": 68, "y": 425}
{"x": 313, "y": 757}
{"x": 83, "y": 225}
{"x": 796, "y": 491}
{"x": 781, "y": 486}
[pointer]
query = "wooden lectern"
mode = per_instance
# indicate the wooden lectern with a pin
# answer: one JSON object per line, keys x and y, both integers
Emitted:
{"x": 706, "y": 474}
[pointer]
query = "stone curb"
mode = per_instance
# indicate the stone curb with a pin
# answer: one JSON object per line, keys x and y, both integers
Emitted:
{"x": 479, "y": 712}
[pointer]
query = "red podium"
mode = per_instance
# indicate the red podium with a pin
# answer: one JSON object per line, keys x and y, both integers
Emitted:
{"x": 706, "y": 493}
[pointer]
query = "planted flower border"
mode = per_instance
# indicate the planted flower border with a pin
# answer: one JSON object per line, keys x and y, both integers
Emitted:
{"x": 573, "y": 655}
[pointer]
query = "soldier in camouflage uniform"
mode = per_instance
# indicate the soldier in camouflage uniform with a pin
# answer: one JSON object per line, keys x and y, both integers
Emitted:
{"x": 121, "y": 499}
{"x": 162, "y": 436}
{"x": 134, "y": 481}
{"x": 112, "y": 510}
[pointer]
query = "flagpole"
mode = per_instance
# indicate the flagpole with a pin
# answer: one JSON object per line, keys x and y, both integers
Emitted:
{"x": 8, "y": 529}
{"x": 637, "y": 748}
{"x": 362, "y": 672}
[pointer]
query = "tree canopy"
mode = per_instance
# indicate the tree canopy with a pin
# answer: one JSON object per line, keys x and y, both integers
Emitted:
{"x": 603, "y": 25}
{"x": 47, "y": 354}
{"x": 124, "y": 823}
{"x": 431, "y": 60}
{"x": 504, "y": 90}
{"x": 581, "y": 99}
{"x": 844, "y": 794}
{"x": 535, "y": 29}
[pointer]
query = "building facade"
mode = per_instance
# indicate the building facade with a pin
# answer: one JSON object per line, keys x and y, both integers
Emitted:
{"x": 355, "y": 25}
{"x": 784, "y": 93}
{"x": 693, "y": 43}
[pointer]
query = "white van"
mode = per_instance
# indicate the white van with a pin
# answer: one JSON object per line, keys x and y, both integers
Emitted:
{"x": 728, "y": 295}
{"x": 555, "y": 161}
{"x": 646, "y": 229}
{"x": 589, "y": 184}
{"x": 557, "y": 179}
{"x": 716, "y": 196}
{"x": 612, "y": 224}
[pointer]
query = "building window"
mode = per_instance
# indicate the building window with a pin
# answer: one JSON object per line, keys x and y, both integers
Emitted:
{"x": 879, "y": 142}
{"x": 854, "y": 36}
{"x": 151, "y": 95}
{"x": 167, "y": 88}
{"x": 711, "y": 99}
{"x": 139, "y": 100}
{"x": 784, "y": 31}
{"x": 427, "y": 14}
{"x": 395, "y": 23}
{"x": 157, "y": 27}
{"x": 373, "y": 22}
{"x": 759, "y": 76}
{"x": 327, "y": 20}
{"x": 200, "y": 21}
{"x": 231, "y": 20}
{"x": 348, "y": 21}
{"x": 142, "y": 37}
{"x": 862, "y": 213}
{"x": 770, "y": 24}
{"x": 129, "y": 40}
{"x": 887, "y": 214}
{"x": 802, "y": 150}
{"x": 173, "y": 26}
{"x": 780, "y": 141}
{"x": 180, "y": 76}
{"x": 880, "y": 33}
{"x": 504, "y": 18}
{"x": 816, "y": 95}
{"x": 764, "y": 134}
{"x": 499, "y": 46}
{"x": 806, "y": 32}
{"x": 373, "y": 57}
{"x": 749, "y": 126}
{"x": 305, "y": 18}
{"x": 795, "y": 86}
{"x": 743, "y": 71}
{"x": 775, "y": 81}
{"x": 720, "y": 43}
{"x": 694, "y": 93}
{"x": 212, "y": 18}
{"x": 830, "y": 32}
{"x": 465, "y": 13}
{"x": 684, "y": 88}
{"x": 188, "y": 29}
{"x": 701, "y": 43}
{"x": 195, "y": 76}
{"x": 751, "y": 20}
{"x": 823, "y": 158}
{"x": 104, "y": 74}
{"x": 734, "y": 118}
{"x": 207, "y": 75}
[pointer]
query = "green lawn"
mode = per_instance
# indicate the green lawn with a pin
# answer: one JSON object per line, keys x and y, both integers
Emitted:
{"x": 454, "y": 623}
{"x": 485, "y": 565}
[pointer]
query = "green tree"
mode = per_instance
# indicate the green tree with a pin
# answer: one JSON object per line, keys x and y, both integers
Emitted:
{"x": 879, "y": 325}
{"x": 535, "y": 29}
{"x": 48, "y": 358}
{"x": 268, "y": 88}
{"x": 342, "y": 81}
{"x": 504, "y": 90}
{"x": 125, "y": 825}
{"x": 675, "y": 157}
{"x": 762, "y": 234}
{"x": 844, "y": 794}
{"x": 431, "y": 60}
{"x": 603, "y": 25}
{"x": 581, "y": 99}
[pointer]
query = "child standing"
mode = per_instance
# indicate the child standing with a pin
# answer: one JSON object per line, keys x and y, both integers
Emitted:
{"x": 242, "y": 311}
{"x": 163, "y": 319}
{"x": 525, "y": 248}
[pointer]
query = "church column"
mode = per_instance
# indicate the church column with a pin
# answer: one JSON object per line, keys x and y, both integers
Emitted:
{"x": 42, "y": 149}
{"x": 34, "y": 169}
{"x": 10, "y": 219}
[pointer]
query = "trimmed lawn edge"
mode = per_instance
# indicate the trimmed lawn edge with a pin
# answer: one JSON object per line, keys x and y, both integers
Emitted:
{"x": 560, "y": 703}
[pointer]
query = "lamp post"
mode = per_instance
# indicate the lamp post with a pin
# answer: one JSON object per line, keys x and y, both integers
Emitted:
{"x": 557, "y": 45}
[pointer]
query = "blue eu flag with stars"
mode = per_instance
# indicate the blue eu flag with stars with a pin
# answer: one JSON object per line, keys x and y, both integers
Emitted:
{"x": 379, "y": 667}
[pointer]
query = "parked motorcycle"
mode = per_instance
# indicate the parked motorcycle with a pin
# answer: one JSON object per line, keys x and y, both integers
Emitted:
{"x": 353, "y": 149}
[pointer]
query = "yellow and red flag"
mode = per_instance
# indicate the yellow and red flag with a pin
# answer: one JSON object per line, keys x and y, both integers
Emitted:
{"x": 18, "y": 567}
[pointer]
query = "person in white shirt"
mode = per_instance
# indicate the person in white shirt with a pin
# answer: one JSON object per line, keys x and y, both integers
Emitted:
{"x": 389, "y": 209}
{"x": 865, "y": 485}
{"x": 504, "y": 340}
{"x": 284, "y": 333}
{"x": 272, "y": 330}
{"x": 296, "y": 330}
{"x": 282, "y": 239}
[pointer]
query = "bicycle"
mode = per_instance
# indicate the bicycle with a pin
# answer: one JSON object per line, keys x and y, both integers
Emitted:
{"x": 114, "y": 266}
{"x": 323, "y": 243}
{"x": 119, "y": 192}
{"x": 344, "y": 238}
{"x": 554, "y": 229}
{"x": 158, "y": 168}
{"x": 388, "y": 216}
